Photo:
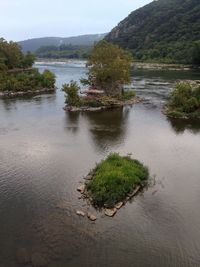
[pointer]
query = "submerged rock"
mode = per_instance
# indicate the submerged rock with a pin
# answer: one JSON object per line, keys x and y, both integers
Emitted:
{"x": 110, "y": 212}
{"x": 91, "y": 216}
{"x": 23, "y": 256}
{"x": 38, "y": 260}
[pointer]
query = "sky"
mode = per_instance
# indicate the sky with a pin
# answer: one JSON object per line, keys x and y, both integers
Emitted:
{"x": 25, "y": 19}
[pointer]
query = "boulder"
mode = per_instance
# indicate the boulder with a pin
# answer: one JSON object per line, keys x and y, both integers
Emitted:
{"x": 110, "y": 212}
{"x": 81, "y": 188}
{"x": 80, "y": 213}
{"x": 91, "y": 216}
{"x": 119, "y": 205}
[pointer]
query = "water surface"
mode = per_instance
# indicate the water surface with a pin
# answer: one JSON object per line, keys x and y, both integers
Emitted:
{"x": 45, "y": 152}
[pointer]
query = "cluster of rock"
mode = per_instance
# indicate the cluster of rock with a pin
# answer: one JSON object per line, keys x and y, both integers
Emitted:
{"x": 117, "y": 104}
{"x": 110, "y": 212}
{"x": 29, "y": 92}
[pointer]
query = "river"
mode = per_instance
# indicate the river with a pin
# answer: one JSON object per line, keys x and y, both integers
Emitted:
{"x": 45, "y": 153}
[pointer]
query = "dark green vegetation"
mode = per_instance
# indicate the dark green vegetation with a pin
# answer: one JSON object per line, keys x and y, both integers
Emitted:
{"x": 163, "y": 31}
{"x": 114, "y": 178}
{"x": 109, "y": 71}
{"x": 109, "y": 68}
{"x": 72, "y": 97}
{"x": 71, "y": 91}
{"x": 11, "y": 56}
{"x": 16, "y": 72}
{"x": 184, "y": 101}
{"x": 84, "y": 40}
{"x": 30, "y": 80}
{"x": 64, "y": 51}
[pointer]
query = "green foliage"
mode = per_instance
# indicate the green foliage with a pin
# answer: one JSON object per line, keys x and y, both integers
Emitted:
{"x": 26, "y": 81}
{"x": 49, "y": 79}
{"x": 114, "y": 178}
{"x": 71, "y": 94}
{"x": 64, "y": 51}
{"x": 185, "y": 99}
{"x": 162, "y": 31}
{"x": 109, "y": 68}
{"x": 11, "y": 56}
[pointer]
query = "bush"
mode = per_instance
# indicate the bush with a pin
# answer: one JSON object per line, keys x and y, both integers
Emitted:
{"x": 184, "y": 99}
{"x": 26, "y": 81}
{"x": 71, "y": 94}
{"x": 114, "y": 178}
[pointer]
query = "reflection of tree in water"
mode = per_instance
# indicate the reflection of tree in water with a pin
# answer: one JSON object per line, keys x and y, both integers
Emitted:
{"x": 11, "y": 103}
{"x": 108, "y": 128}
{"x": 180, "y": 125}
{"x": 72, "y": 121}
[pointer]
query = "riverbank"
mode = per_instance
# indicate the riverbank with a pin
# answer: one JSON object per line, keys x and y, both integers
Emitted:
{"x": 25, "y": 93}
{"x": 135, "y": 65}
{"x": 162, "y": 66}
{"x": 109, "y": 105}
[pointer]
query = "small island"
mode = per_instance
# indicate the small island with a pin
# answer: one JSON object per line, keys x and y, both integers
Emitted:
{"x": 17, "y": 75}
{"x": 108, "y": 73}
{"x": 184, "y": 101}
{"x": 113, "y": 182}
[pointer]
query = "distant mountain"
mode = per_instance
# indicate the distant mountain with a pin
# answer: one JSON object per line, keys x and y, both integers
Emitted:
{"x": 85, "y": 40}
{"x": 164, "y": 30}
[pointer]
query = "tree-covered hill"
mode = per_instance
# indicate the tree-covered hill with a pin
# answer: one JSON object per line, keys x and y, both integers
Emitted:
{"x": 83, "y": 40}
{"x": 164, "y": 30}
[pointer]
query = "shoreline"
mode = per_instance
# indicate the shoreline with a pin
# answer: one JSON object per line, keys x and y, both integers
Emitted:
{"x": 130, "y": 102}
{"x": 135, "y": 65}
{"x": 29, "y": 92}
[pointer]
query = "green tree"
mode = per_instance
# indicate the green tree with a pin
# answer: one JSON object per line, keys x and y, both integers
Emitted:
{"x": 49, "y": 79}
{"x": 109, "y": 68}
{"x": 71, "y": 93}
{"x": 28, "y": 60}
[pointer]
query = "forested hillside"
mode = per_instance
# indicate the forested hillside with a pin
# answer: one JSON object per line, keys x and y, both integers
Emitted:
{"x": 82, "y": 40}
{"x": 164, "y": 30}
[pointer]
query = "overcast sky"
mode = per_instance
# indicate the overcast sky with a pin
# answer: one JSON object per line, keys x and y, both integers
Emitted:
{"x": 23, "y": 19}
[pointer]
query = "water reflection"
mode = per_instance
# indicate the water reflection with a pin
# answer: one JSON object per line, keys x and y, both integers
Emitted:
{"x": 180, "y": 125}
{"x": 72, "y": 121}
{"x": 108, "y": 129}
{"x": 12, "y": 103}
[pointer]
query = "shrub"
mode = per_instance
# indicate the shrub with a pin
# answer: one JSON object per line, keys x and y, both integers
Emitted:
{"x": 184, "y": 99}
{"x": 71, "y": 94}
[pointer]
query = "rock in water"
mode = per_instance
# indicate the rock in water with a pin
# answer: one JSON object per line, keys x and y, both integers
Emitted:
{"x": 80, "y": 213}
{"x": 119, "y": 205}
{"x": 91, "y": 216}
{"x": 23, "y": 256}
{"x": 110, "y": 212}
{"x": 81, "y": 188}
{"x": 38, "y": 260}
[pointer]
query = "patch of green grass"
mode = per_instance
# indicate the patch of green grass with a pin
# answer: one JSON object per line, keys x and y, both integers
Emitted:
{"x": 127, "y": 95}
{"x": 114, "y": 178}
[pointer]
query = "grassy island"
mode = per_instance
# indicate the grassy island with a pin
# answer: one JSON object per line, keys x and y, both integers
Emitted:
{"x": 184, "y": 101}
{"x": 17, "y": 75}
{"x": 114, "y": 179}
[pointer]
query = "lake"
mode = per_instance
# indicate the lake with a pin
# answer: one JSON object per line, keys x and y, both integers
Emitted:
{"x": 45, "y": 152}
